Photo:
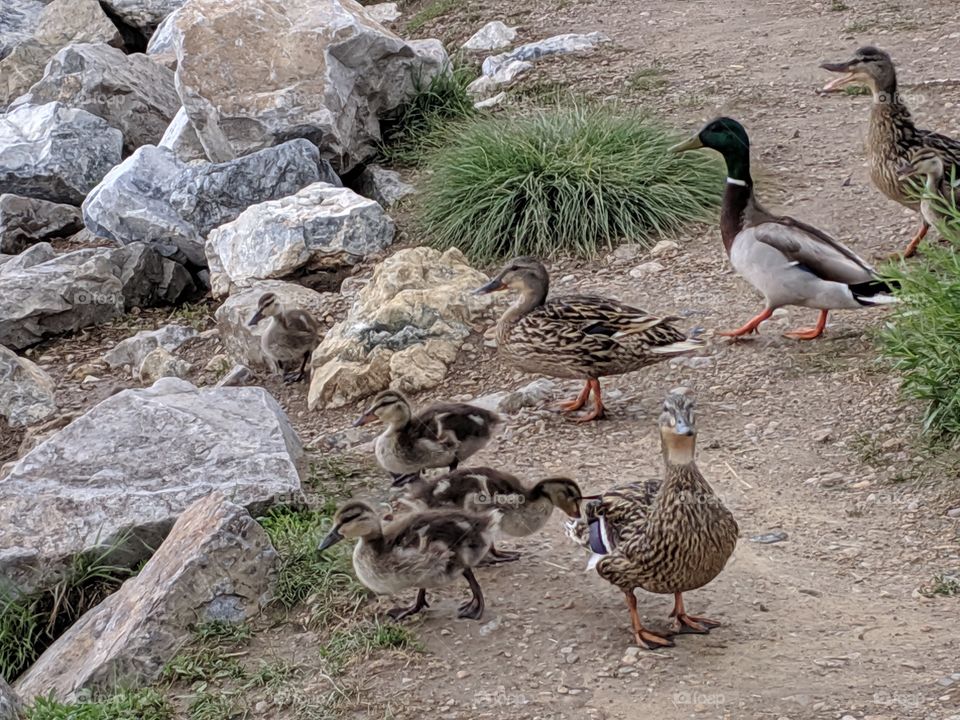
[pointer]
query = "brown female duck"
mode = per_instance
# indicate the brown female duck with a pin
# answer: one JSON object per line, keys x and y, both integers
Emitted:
{"x": 578, "y": 336}
{"x": 892, "y": 134}
{"x": 665, "y": 536}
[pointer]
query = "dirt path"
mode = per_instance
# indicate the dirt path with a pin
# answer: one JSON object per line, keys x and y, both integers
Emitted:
{"x": 808, "y": 439}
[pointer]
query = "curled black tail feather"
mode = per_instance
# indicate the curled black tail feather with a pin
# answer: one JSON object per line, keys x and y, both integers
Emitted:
{"x": 874, "y": 292}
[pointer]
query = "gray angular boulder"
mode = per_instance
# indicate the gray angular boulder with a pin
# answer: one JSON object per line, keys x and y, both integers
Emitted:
{"x": 181, "y": 138}
{"x": 242, "y": 342}
{"x": 10, "y": 706}
{"x": 18, "y": 18}
{"x": 42, "y": 294}
{"x": 130, "y": 92}
{"x": 25, "y": 221}
{"x": 54, "y": 152}
{"x": 120, "y": 475}
{"x": 383, "y": 185}
{"x": 62, "y": 22}
{"x": 134, "y": 349}
{"x": 26, "y": 391}
{"x": 217, "y": 564}
{"x": 320, "y": 227}
{"x": 252, "y": 73}
{"x": 143, "y": 14}
{"x": 156, "y": 198}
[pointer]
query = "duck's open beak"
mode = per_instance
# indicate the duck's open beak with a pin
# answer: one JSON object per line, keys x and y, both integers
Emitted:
{"x": 693, "y": 143}
{"x": 257, "y": 317}
{"x": 365, "y": 419}
{"x": 492, "y": 286}
{"x": 845, "y": 79}
{"x": 332, "y": 538}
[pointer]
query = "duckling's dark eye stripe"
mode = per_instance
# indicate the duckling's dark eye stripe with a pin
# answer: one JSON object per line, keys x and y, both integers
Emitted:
{"x": 351, "y": 518}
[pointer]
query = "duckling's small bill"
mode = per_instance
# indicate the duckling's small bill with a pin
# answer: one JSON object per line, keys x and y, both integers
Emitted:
{"x": 494, "y": 285}
{"x": 332, "y": 538}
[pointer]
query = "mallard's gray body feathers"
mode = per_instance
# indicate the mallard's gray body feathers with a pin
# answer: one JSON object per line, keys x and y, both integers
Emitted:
{"x": 417, "y": 550}
{"x": 525, "y": 510}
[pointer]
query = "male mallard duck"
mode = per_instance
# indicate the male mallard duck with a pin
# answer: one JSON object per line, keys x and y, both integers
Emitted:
{"x": 578, "y": 336}
{"x": 668, "y": 536}
{"x": 939, "y": 192}
{"x": 442, "y": 435}
{"x": 524, "y": 509}
{"x": 892, "y": 134}
{"x": 290, "y": 337}
{"x": 790, "y": 262}
{"x": 418, "y": 550}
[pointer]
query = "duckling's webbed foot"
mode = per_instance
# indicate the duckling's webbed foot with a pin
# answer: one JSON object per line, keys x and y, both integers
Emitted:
{"x": 496, "y": 557}
{"x": 645, "y": 639}
{"x": 399, "y": 613}
{"x": 683, "y": 623}
{"x": 473, "y": 608}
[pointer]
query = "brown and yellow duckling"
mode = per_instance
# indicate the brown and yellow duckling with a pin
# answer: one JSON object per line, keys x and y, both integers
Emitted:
{"x": 939, "y": 191}
{"x": 442, "y": 435}
{"x": 524, "y": 510}
{"x": 669, "y": 536}
{"x": 420, "y": 550}
{"x": 578, "y": 336}
{"x": 892, "y": 134}
{"x": 290, "y": 338}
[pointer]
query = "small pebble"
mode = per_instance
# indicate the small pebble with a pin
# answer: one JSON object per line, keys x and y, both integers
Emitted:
{"x": 770, "y": 537}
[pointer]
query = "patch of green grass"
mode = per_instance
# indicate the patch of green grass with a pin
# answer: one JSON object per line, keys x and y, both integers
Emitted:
{"x": 921, "y": 337}
{"x": 349, "y": 644}
{"x": 216, "y": 706}
{"x": 563, "y": 181}
{"x": 218, "y": 631}
{"x": 30, "y": 623}
{"x": 419, "y": 124}
{"x": 145, "y": 704}
{"x": 859, "y": 26}
{"x": 198, "y": 315}
{"x": 430, "y": 12}
{"x": 856, "y": 90}
{"x": 213, "y": 654}
{"x": 647, "y": 79}
{"x": 839, "y": 6}
{"x": 326, "y": 579}
{"x": 943, "y": 585}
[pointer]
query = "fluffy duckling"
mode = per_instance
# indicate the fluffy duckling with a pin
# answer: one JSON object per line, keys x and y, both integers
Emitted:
{"x": 578, "y": 336}
{"x": 665, "y": 536}
{"x": 420, "y": 550}
{"x": 290, "y": 337}
{"x": 938, "y": 190}
{"x": 442, "y": 435}
{"x": 525, "y": 510}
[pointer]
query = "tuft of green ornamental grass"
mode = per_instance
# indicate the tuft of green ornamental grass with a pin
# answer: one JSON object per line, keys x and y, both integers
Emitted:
{"x": 411, "y": 130}
{"x": 563, "y": 182}
{"x": 145, "y": 704}
{"x": 922, "y": 337}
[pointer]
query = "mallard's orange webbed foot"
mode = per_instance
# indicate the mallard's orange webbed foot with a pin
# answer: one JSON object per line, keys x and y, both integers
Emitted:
{"x": 598, "y": 409}
{"x": 750, "y": 327}
{"x": 644, "y": 638}
{"x": 683, "y": 623}
{"x": 579, "y": 402}
{"x": 810, "y": 333}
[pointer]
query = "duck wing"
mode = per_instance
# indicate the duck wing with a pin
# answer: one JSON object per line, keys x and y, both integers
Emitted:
{"x": 460, "y": 419}
{"x": 813, "y": 250}
{"x": 947, "y": 147}
{"x": 450, "y": 538}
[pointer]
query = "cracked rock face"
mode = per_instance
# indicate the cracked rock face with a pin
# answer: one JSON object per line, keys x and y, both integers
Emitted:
{"x": 217, "y": 564}
{"x": 92, "y": 484}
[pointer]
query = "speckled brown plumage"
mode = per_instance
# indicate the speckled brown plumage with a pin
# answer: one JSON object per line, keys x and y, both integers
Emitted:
{"x": 664, "y": 536}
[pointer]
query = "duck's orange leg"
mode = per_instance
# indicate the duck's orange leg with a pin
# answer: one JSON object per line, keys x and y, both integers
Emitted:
{"x": 598, "y": 411}
{"x": 579, "y": 402}
{"x": 683, "y": 623}
{"x": 810, "y": 333}
{"x": 645, "y": 639}
{"x": 750, "y": 326}
{"x": 911, "y": 247}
